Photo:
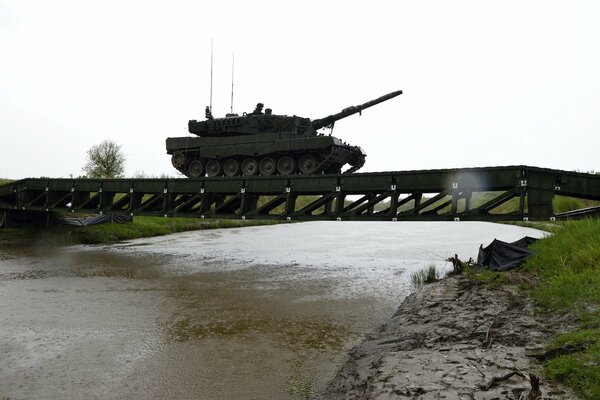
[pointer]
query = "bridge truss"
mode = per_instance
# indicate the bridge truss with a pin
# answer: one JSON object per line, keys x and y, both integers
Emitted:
{"x": 481, "y": 194}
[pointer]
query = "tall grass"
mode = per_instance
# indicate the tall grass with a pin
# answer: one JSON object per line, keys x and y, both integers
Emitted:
{"x": 152, "y": 226}
{"x": 567, "y": 266}
{"x": 428, "y": 274}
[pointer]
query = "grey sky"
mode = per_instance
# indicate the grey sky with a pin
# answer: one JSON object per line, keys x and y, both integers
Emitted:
{"x": 485, "y": 83}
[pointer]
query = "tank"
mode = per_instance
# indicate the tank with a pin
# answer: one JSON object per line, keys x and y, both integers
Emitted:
{"x": 263, "y": 143}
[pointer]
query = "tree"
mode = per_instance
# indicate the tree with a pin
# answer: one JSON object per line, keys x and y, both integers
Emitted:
{"x": 105, "y": 160}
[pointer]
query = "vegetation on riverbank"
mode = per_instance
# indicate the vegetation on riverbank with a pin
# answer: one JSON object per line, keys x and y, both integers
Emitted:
{"x": 426, "y": 275}
{"x": 153, "y": 226}
{"x": 563, "y": 279}
{"x": 567, "y": 271}
{"x": 112, "y": 233}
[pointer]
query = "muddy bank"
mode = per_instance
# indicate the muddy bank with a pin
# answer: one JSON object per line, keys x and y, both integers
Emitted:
{"x": 450, "y": 340}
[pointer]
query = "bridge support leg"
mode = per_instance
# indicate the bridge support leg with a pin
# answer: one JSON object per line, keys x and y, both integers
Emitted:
{"x": 249, "y": 203}
{"x": 539, "y": 204}
{"x": 417, "y": 196}
{"x": 454, "y": 202}
{"x": 329, "y": 207}
{"x": 290, "y": 204}
{"x": 522, "y": 198}
{"x": 206, "y": 199}
{"x": 540, "y": 191}
{"x": 468, "y": 198}
{"x": 339, "y": 204}
{"x": 393, "y": 204}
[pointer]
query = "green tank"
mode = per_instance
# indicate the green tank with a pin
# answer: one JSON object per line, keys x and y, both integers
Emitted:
{"x": 263, "y": 143}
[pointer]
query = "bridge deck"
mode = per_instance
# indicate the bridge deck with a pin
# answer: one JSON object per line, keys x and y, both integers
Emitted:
{"x": 447, "y": 194}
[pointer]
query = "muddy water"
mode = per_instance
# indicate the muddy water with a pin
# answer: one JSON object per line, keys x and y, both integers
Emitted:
{"x": 249, "y": 313}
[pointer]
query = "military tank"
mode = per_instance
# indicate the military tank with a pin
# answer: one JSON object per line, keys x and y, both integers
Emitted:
{"x": 263, "y": 143}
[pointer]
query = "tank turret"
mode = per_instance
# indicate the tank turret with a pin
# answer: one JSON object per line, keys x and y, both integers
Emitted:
{"x": 263, "y": 143}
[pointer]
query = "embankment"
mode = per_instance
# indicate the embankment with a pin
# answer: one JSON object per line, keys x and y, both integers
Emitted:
{"x": 480, "y": 335}
{"x": 451, "y": 339}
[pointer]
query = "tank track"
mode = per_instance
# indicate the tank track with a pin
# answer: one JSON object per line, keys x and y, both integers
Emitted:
{"x": 358, "y": 164}
{"x": 192, "y": 166}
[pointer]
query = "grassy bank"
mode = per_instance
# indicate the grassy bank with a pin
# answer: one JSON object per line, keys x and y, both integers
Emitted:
{"x": 563, "y": 279}
{"x": 153, "y": 226}
{"x": 112, "y": 233}
{"x": 567, "y": 271}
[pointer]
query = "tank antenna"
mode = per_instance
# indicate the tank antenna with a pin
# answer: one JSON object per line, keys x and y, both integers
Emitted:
{"x": 232, "y": 66}
{"x": 211, "y": 73}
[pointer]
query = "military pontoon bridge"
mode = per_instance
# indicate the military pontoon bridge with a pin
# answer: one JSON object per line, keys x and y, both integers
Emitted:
{"x": 433, "y": 195}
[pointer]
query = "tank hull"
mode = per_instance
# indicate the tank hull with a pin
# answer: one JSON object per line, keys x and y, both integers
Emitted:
{"x": 309, "y": 155}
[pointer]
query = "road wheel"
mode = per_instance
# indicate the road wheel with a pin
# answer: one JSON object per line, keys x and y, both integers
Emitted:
{"x": 231, "y": 167}
{"x": 249, "y": 167}
{"x": 286, "y": 165}
{"x": 267, "y": 166}
{"x": 178, "y": 159}
{"x": 213, "y": 168}
{"x": 307, "y": 164}
{"x": 196, "y": 169}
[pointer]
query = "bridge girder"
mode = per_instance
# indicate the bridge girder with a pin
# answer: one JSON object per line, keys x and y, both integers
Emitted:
{"x": 433, "y": 195}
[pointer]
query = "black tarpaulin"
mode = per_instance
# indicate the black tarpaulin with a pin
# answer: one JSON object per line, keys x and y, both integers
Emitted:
{"x": 96, "y": 220}
{"x": 502, "y": 256}
{"x": 18, "y": 219}
{"x": 525, "y": 241}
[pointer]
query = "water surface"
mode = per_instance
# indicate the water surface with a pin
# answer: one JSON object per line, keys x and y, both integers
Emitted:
{"x": 243, "y": 313}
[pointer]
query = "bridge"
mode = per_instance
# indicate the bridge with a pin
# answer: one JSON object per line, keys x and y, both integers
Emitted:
{"x": 468, "y": 194}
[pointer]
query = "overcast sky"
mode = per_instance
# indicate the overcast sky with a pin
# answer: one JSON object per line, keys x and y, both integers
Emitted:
{"x": 485, "y": 83}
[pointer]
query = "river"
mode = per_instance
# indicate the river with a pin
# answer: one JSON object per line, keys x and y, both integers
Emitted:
{"x": 244, "y": 313}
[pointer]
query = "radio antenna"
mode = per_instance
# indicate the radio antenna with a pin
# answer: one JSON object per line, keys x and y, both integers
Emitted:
{"x": 211, "y": 73}
{"x": 232, "y": 66}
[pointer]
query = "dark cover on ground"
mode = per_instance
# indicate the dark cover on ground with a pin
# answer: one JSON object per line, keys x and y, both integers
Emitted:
{"x": 25, "y": 219}
{"x": 502, "y": 256}
{"x": 96, "y": 220}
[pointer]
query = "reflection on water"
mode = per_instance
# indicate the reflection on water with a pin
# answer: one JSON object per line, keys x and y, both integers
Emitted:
{"x": 252, "y": 313}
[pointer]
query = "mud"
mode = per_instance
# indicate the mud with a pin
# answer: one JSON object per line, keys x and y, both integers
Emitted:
{"x": 450, "y": 340}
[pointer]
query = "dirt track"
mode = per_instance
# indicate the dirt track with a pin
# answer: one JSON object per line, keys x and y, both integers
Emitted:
{"x": 450, "y": 340}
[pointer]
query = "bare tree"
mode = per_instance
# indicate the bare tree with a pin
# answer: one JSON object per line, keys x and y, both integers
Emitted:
{"x": 105, "y": 160}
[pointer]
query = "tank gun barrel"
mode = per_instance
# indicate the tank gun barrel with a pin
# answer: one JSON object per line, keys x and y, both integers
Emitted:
{"x": 346, "y": 112}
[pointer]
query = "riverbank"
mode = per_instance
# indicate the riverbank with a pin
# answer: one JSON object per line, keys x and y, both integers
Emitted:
{"x": 480, "y": 334}
{"x": 113, "y": 233}
{"x": 451, "y": 339}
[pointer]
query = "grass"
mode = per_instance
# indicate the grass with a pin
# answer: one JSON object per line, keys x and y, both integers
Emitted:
{"x": 112, "y": 233}
{"x": 563, "y": 278}
{"x": 428, "y": 274}
{"x": 566, "y": 267}
{"x": 568, "y": 263}
{"x": 152, "y": 226}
